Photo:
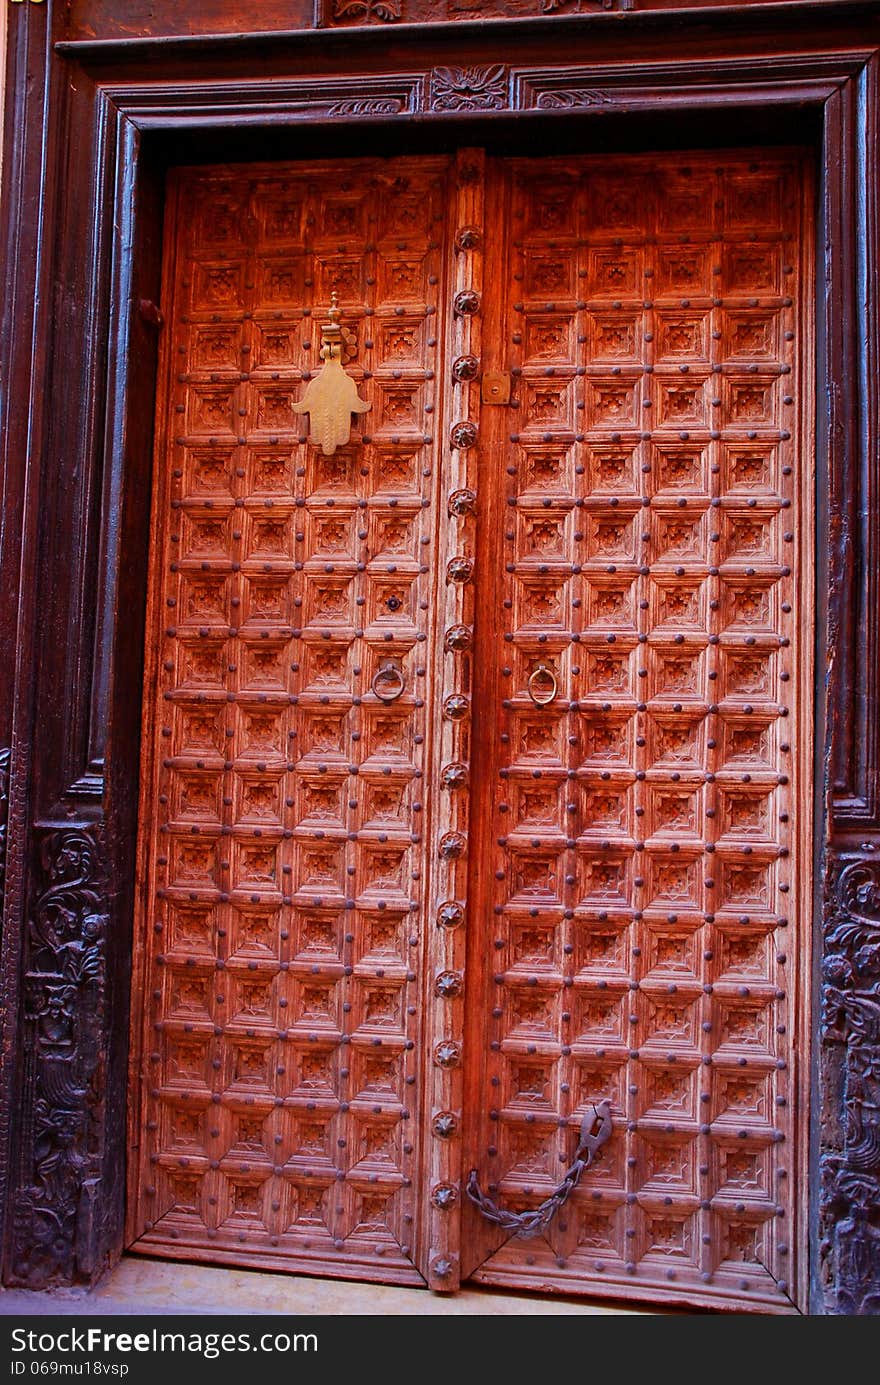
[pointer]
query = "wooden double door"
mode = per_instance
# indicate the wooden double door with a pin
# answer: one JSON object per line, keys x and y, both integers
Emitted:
{"x": 476, "y": 783}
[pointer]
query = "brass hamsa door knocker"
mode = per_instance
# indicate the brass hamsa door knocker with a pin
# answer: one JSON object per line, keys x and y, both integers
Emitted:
{"x": 331, "y": 398}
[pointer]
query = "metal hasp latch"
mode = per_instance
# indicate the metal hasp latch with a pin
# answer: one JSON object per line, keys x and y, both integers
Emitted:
{"x": 526, "y": 1224}
{"x": 331, "y": 398}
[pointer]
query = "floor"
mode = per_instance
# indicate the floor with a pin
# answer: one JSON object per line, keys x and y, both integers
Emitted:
{"x": 141, "y": 1286}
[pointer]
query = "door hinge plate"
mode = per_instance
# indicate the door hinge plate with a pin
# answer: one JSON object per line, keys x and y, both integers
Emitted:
{"x": 496, "y": 387}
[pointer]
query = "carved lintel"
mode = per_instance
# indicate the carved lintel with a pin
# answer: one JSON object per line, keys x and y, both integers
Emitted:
{"x": 63, "y": 1041}
{"x": 469, "y": 88}
{"x": 850, "y": 1080}
{"x": 331, "y": 398}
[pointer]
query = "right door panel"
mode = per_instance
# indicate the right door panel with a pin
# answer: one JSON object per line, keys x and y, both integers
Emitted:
{"x": 643, "y": 716}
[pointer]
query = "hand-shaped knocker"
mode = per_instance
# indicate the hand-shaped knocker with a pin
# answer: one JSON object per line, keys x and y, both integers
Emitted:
{"x": 331, "y": 398}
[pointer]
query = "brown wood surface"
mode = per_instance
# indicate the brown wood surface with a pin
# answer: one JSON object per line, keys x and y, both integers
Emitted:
{"x": 640, "y": 911}
{"x": 631, "y": 884}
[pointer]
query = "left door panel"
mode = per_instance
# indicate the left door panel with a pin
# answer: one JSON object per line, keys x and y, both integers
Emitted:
{"x": 285, "y": 882}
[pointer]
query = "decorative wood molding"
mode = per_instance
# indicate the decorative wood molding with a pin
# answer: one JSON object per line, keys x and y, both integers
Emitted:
{"x": 63, "y": 1041}
{"x": 5, "y": 758}
{"x": 849, "y": 1264}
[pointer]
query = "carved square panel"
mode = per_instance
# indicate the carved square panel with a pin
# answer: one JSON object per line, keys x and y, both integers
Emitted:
{"x": 332, "y": 478}
{"x": 344, "y": 275}
{"x": 600, "y": 1235}
{"x": 748, "y": 743}
{"x": 750, "y": 468}
{"x": 532, "y": 1014}
{"x": 742, "y": 1173}
{"x": 682, "y": 337}
{"x": 678, "y": 537}
{"x": 599, "y": 1016}
{"x": 381, "y": 937}
{"x": 200, "y": 663}
{"x": 611, "y": 538}
{"x": 548, "y": 339}
{"x": 607, "y": 743}
{"x": 547, "y": 406}
{"x": 314, "y": 1005}
{"x": 543, "y": 536}
{"x": 268, "y": 536}
{"x": 673, "y": 881}
{"x": 677, "y": 673}
{"x": 258, "y": 800}
{"x": 398, "y": 411}
{"x": 377, "y": 1077}
{"x": 252, "y": 999}
{"x": 317, "y": 935}
{"x": 544, "y": 470}
{"x": 186, "y": 1058}
{"x": 606, "y": 808}
{"x": 394, "y": 472}
{"x": 744, "y": 1027}
{"x": 208, "y": 473}
{"x": 310, "y": 1070}
{"x": 749, "y": 605}
{"x": 748, "y": 675}
{"x": 279, "y": 346}
{"x": 676, "y": 742}
{"x": 378, "y": 1007}
{"x": 751, "y": 402}
{"x": 254, "y": 864}
{"x": 601, "y": 944}
{"x": 383, "y": 873}
{"x": 746, "y": 886}
{"x": 254, "y": 932}
{"x": 541, "y": 603}
{"x": 190, "y": 928}
{"x": 263, "y": 667}
{"x": 743, "y": 1097}
{"x": 280, "y": 284}
{"x": 686, "y": 201}
{"x": 674, "y": 812}
{"x": 403, "y": 278}
{"x": 537, "y": 741}
{"x": 215, "y": 348}
{"x": 754, "y": 201}
{"x": 535, "y": 876}
{"x": 603, "y": 880}
{"x": 308, "y": 1210}
{"x": 680, "y": 468}
{"x": 535, "y": 944}
{"x": 670, "y": 1237}
{"x": 608, "y": 674}
{"x": 669, "y": 1023}
{"x": 530, "y": 1085}
{"x": 203, "y": 600}
{"x": 616, "y": 205}
{"x": 248, "y": 1063}
{"x": 614, "y": 272}
{"x": 265, "y": 601}
{"x": 666, "y": 1161}
{"x": 683, "y": 270}
{"x": 326, "y": 669}
{"x": 744, "y": 955}
{"x": 678, "y": 604}
{"x": 319, "y": 871}
{"x": 218, "y": 220}
{"x": 217, "y": 286}
{"x": 387, "y": 738}
{"x": 595, "y": 1080}
{"x": 611, "y": 403}
{"x": 610, "y": 604}
{"x": 260, "y": 732}
{"x": 611, "y": 469}
{"x": 751, "y": 334}
{"x": 398, "y": 338}
{"x": 196, "y": 796}
{"x": 681, "y": 401}
{"x": 183, "y": 1129}
{"x": 615, "y": 337}
{"x": 752, "y": 268}
{"x": 329, "y": 602}
{"x": 279, "y": 213}
{"x": 548, "y": 274}
{"x": 671, "y": 951}
{"x": 668, "y": 1093}
{"x": 385, "y": 804}
{"x": 393, "y": 539}
{"x": 193, "y": 863}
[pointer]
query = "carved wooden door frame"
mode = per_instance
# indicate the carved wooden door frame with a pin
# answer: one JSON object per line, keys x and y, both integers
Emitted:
{"x": 74, "y": 524}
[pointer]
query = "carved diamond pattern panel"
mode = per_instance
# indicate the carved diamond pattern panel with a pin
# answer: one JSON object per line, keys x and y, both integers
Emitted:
{"x": 645, "y": 869}
{"x": 284, "y": 880}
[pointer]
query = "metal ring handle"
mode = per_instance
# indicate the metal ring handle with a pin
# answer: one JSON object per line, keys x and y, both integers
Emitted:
{"x": 388, "y": 682}
{"x": 547, "y": 674}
